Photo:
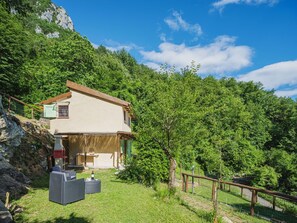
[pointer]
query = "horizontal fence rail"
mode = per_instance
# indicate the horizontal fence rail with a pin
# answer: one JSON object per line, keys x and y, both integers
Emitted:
{"x": 254, "y": 190}
{"x": 12, "y": 104}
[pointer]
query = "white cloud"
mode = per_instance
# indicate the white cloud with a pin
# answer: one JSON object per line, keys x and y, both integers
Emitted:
{"x": 219, "y": 57}
{"x": 222, "y": 3}
{"x": 95, "y": 45}
{"x": 286, "y": 93}
{"x": 163, "y": 37}
{"x": 176, "y": 23}
{"x": 274, "y": 76}
{"x": 115, "y": 46}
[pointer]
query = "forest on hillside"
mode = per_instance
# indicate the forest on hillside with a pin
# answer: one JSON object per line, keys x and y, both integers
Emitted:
{"x": 225, "y": 127}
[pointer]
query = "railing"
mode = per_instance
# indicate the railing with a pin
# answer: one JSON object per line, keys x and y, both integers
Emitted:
{"x": 14, "y": 105}
{"x": 254, "y": 190}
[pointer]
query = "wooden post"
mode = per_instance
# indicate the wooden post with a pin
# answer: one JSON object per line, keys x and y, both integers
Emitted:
{"x": 215, "y": 204}
{"x": 273, "y": 202}
{"x": 224, "y": 186}
{"x": 253, "y": 202}
{"x": 187, "y": 183}
{"x": 7, "y": 200}
{"x": 9, "y": 101}
{"x": 241, "y": 193}
{"x": 229, "y": 188}
{"x": 193, "y": 184}
{"x": 32, "y": 113}
{"x": 180, "y": 167}
{"x": 183, "y": 182}
{"x": 213, "y": 190}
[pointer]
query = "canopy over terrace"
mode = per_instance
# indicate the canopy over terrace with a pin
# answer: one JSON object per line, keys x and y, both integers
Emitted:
{"x": 97, "y": 150}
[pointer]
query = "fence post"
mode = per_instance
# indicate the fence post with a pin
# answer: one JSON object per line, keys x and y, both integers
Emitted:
{"x": 253, "y": 202}
{"x": 215, "y": 203}
{"x": 187, "y": 182}
{"x": 180, "y": 167}
{"x": 193, "y": 184}
{"x": 241, "y": 193}
{"x": 273, "y": 202}
{"x": 183, "y": 182}
{"x": 213, "y": 190}
{"x": 32, "y": 113}
{"x": 193, "y": 180}
{"x": 9, "y": 101}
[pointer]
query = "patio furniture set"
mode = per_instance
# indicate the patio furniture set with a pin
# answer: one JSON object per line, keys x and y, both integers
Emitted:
{"x": 64, "y": 188}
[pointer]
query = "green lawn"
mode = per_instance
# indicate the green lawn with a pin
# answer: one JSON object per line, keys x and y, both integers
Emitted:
{"x": 118, "y": 202}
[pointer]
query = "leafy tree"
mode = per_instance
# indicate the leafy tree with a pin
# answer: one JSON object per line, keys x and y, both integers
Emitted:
{"x": 266, "y": 177}
{"x": 166, "y": 119}
{"x": 13, "y": 48}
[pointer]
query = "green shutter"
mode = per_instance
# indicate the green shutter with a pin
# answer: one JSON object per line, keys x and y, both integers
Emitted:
{"x": 49, "y": 111}
{"x": 122, "y": 145}
{"x": 129, "y": 148}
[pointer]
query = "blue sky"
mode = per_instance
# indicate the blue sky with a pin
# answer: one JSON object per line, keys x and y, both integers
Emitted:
{"x": 246, "y": 39}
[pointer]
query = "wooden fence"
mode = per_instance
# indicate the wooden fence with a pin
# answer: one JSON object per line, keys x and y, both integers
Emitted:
{"x": 12, "y": 104}
{"x": 254, "y": 190}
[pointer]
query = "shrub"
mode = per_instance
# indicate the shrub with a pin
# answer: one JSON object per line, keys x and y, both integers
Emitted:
{"x": 265, "y": 177}
{"x": 148, "y": 167}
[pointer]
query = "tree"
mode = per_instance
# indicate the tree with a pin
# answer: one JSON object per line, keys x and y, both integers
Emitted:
{"x": 13, "y": 48}
{"x": 169, "y": 119}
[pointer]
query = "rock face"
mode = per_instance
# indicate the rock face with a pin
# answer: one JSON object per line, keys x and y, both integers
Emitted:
{"x": 31, "y": 157}
{"x": 57, "y": 15}
{"x": 5, "y": 216}
{"x": 24, "y": 150}
{"x": 53, "y": 35}
{"x": 12, "y": 181}
{"x": 10, "y": 134}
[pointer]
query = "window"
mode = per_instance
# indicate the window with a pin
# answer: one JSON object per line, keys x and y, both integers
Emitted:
{"x": 63, "y": 111}
{"x": 127, "y": 118}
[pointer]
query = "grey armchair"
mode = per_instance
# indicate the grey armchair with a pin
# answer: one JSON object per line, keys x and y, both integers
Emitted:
{"x": 65, "y": 191}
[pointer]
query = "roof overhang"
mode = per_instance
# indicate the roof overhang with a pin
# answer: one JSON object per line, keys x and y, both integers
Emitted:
{"x": 122, "y": 134}
{"x": 57, "y": 98}
{"x": 97, "y": 94}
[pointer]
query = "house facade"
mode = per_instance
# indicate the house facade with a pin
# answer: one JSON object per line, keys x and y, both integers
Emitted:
{"x": 95, "y": 127}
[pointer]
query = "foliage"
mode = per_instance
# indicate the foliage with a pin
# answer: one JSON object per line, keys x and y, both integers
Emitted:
{"x": 266, "y": 177}
{"x": 148, "y": 168}
{"x": 13, "y": 47}
{"x": 224, "y": 126}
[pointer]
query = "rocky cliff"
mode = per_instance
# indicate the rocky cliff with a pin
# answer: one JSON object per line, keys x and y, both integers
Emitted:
{"x": 24, "y": 148}
{"x": 57, "y": 15}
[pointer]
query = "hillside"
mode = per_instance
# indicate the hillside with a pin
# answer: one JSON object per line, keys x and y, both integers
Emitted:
{"x": 224, "y": 127}
{"x": 25, "y": 146}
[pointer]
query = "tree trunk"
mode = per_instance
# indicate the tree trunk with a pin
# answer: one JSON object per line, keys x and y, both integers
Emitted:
{"x": 172, "y": 167}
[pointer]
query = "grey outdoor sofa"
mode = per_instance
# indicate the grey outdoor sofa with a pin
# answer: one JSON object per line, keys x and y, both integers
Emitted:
{"x": 65, "y": 191}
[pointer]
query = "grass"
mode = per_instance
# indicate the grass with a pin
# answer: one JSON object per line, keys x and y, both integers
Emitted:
{"x": 127, "y": 202}
{"x": 117, "y": 202}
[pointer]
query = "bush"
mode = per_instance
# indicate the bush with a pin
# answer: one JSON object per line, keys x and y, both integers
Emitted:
{"x": 148, "y": 167}
{"x": 265, "y": 177}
